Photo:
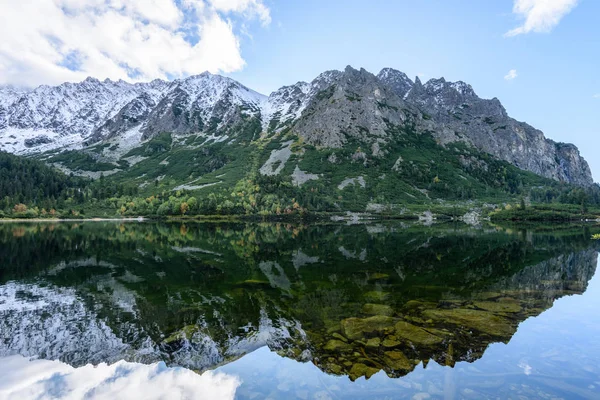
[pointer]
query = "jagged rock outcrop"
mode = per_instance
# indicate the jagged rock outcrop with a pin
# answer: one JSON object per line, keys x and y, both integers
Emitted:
{"x": 454, "y": 112}
{"x": 285, "y": 105}
{"x": 356, "y": 106}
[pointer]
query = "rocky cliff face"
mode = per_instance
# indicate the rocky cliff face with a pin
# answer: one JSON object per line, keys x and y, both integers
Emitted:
{"x": 454, "y": 112}
{"x": 360, "y": 106}
{"x": 332, "y": 110}
{"x": 356, "y": 106}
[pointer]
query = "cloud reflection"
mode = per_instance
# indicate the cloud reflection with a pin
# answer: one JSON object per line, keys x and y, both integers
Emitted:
{"x": 42, "y": 379}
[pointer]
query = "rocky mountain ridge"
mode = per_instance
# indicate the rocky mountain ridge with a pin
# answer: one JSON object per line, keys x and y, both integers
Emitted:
{"x": 333, "y": 109}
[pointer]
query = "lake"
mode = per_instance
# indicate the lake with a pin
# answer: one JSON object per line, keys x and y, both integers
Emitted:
{"x": 289, "y": 311}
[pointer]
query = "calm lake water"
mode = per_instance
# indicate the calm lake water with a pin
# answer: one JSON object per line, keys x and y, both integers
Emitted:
{"x": 285, "y": 311}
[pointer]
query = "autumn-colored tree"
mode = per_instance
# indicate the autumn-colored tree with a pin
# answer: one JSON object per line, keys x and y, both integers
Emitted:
{"x": 184, "y": 208}
{"x": 19, "y": 208}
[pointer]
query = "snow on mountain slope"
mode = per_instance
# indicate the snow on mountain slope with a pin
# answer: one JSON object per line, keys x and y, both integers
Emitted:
{"x": 69, "y": 115}
{"x": 73, "y": 115}
{"x": 200, "y": 104}
{"x": 286, "y": 104}
{"x": 60, "y": 117}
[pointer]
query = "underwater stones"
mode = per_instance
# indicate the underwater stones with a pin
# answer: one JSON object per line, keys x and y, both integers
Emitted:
{"x": 414, "y": 334}
{"x": 418, "y": 305}
{"x": 390, "y": 342}
{"x": 493, "y": 306}
{"x": 356, "y": 328}
{"x": 352, "y": 328}
{"x": 337, "y": 346}
{"x": 336, "y": 369}
{"x": 373, "y": 342}
{"x": 414, "y": 319}
{"x": 340, "y": 337}
{"x": 483, "y": 321}
{"x": 360, "y": 369}
{"x": 376, "y": 296}
{"x": 377, "y": 309}
{"x": 397, "y": 360}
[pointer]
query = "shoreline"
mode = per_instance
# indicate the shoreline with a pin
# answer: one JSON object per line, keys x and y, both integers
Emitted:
{"x": 138, "y": 219}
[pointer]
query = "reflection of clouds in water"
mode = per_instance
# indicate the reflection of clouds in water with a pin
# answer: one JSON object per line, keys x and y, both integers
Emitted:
{"x": 526, "y": 367}
{"x": 41, "y": 379}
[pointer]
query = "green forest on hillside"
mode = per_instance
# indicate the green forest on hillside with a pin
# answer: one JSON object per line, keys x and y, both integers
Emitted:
{"x": 190, "y": 178}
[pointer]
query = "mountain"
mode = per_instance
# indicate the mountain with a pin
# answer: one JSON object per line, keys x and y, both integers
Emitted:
{"x": 347, "y": 141}
{"x": 335, "y": 107}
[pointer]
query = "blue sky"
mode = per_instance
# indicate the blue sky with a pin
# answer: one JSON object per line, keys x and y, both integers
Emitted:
{"x": 554, "y": 51}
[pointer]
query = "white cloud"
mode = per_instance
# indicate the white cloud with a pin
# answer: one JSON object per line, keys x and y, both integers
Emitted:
{"x": 540, "y": 15}
{"x": 42, "y": 379}
{"x": 512, "y": 74}
{"x": 68, "y": 40}
{"x": 249, "y": 8}
{"x": 596, "y": 96}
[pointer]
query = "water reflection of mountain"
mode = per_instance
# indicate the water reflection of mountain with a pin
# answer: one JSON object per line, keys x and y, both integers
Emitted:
{"x": 351, "y": 299}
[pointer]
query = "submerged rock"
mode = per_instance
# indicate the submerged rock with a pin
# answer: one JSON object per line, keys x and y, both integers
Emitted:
{"x": 376, "y": 296}
{"x": 356, "y": 328}
{"x": 397, "y": 360}
{"x": 377, "y": 309}
{"x": 340, "y": 337}
{"x": 360, "y": 369}
{"x": 337, "y": 346}
{"x": 373, "y": 342}
{"x": 504, "y": 306}
{"x": 416, "y": 335}
{"x": 390, "y": 342}
{"x": 483, "y": 321}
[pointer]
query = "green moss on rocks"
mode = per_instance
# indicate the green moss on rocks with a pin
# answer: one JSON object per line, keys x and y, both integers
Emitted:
{"x": 415, "y": 335}
{"x": 483, "y": 321}
{"x": 391, "y": 342}
{"x": 377, "y": 309}
{"x": 360, "y": 369}
{"x": 373, "y": 342}
{"x": 497, "y": 306}
{"x": 397, "y": 360}
{"x": 356, "y": 328}
{"x": 337, "y": 346}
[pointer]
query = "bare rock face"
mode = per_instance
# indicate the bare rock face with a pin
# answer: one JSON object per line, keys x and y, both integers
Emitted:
{"x": 397, "y": 81}
{"x": 356, "y": 106}
{"x": 453, "y": 112}
{"x": 285, "y": 105}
